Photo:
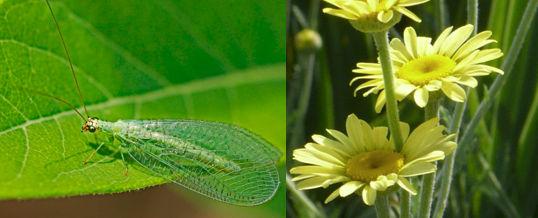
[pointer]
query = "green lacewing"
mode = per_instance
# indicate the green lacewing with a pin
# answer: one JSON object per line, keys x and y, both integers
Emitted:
{"x": 221, "y": 161}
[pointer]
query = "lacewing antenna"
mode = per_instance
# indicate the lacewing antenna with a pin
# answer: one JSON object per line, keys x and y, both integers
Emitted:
{"x": 70, "y": 64}
{"x": 55, "y": 98}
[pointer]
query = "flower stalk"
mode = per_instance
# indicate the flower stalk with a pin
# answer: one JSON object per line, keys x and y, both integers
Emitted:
{"x": 382, "y": 207}
{"x": 405, "y": 206}
{"x": 428, "y": 181}
{"x": 393, "y": 119}
{"x": 448, "y": 166}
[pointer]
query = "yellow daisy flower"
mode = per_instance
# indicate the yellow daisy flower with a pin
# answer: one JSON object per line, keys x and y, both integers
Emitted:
{"x": 366, "y": 162}
{"x": 373, "y": 15}
{"x": 420, "y": 67}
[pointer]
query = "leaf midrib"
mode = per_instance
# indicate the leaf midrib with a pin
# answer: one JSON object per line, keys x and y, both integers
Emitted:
{"x": 253, "y": 75}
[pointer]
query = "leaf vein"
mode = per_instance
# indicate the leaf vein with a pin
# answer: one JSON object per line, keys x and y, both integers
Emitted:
{"x": 261, "y": 74}
{"x": 15, "y": 108}
{"x": 81, "y": 169}
{"x": 23, "y": 165}
{"x": 62, "y": 134}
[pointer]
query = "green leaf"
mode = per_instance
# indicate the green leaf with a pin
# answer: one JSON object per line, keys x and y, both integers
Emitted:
{"x": 134, "y": 60}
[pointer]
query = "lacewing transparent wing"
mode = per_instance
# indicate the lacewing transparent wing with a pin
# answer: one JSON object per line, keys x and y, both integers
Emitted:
{"x": 221, "y": 161}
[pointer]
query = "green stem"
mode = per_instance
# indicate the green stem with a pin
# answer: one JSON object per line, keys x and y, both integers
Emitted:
{"x": 313, "y": 13}
{"x": 405, "y": 206}
{"x": 382, "y": 206}
{"x": 440, "y": 9}
{"x": 448, "y": 166}
{"x": 426, "y": 195}
{"x": 432, "y": 109}
{"x": 472, "y": 13}
{"x": 428, "y": 181}
{"x": 393, "y": 119}
{"x": 307, "y": 64}
{"x": 302, "y": 199}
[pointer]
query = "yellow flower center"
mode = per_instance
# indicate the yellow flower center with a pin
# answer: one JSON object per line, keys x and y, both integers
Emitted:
{"x": 367, "y": 166}
{"x": 422, "y": 70}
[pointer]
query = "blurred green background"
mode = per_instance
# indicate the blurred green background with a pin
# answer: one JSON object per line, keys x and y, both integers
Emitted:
{"x": 495, "y": 175}
{"x": 207, "y": 60}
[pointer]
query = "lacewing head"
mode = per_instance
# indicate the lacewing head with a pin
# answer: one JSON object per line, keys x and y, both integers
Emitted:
{"x": 91, "y": 125}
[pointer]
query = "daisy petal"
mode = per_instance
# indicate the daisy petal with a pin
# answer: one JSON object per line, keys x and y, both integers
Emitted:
{"x": 408, "y": 13}
{"x": 405, "y": 184}
{"x": 448, "y": 147}
{"x": 369, "y": 195}
{"x": 403, "y": 90}
{"x": 423, "y": 46}
{"x": 420, "y": 168}
{"x": 433, "y": 85}
{"x": 325, "y": 153}
{"x": 317, "y": 170}
{"x": 380, "y": 137}
{"x": 492, "y": 69}
{"x": 307, "y": 157}
{"x": 421, "y": 97}
{"x": 441, "y": 40}
{"x": 383, "y": 182}
{"x": 372, "y": 4}
{"x": 356, "y": 6}
{"x": 487, "y": 55}
{"x": 354, "y": 128}
{"x": 455, "y": 39}
{"x": 311, "y": 183}
{"x": 372, "y": 83}
{"x": 380, "y": 102}
{"x": 406, "y": 3}
{"x": 367, "y": 71}
{"x": 332, "y": 196}
{"x": 350, "y": 187}
{"x": 340, "y": 13}
{"x": 384, "y": 16}
{"x": 398, "y": 45}
{"x": 453, "y": 91}
{"x": 410, "y": 39}
{"x": 322, "y": 182}
{"x": 472, "y": 44}
{"x": 337, "y": 146}
{"x": 415, "y": 141}
{"x": 468, "y": 81}
{"x": 391, "y": 3}
{"x": 432, "y": 156}
{"x": 465, "y": 62}
{"x": 369, "y": 65}
{"x": 340, "y": 137}
{"x": 301, "y": 177}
